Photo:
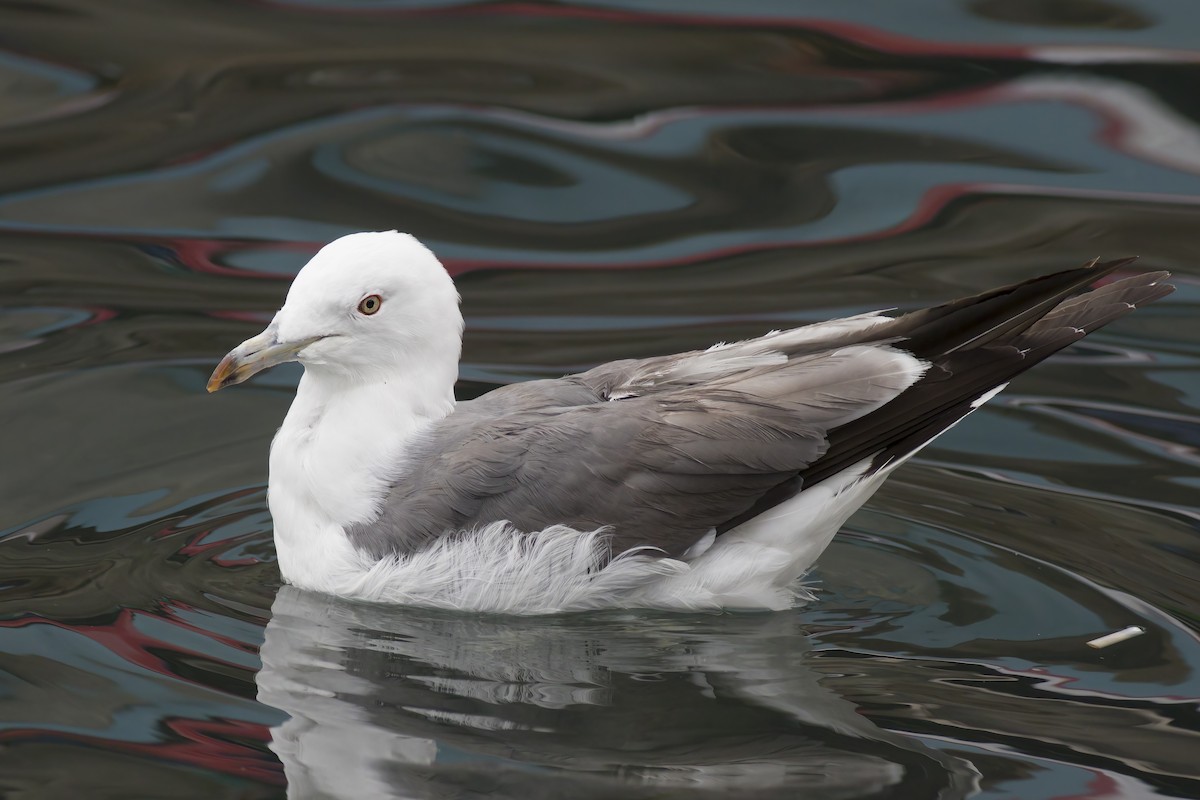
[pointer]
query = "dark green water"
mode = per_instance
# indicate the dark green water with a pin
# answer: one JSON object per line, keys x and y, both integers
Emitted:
{"x": 605, "y": 180}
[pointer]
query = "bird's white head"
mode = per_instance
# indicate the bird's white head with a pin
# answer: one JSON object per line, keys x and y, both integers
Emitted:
{"x": 368, "y": 308}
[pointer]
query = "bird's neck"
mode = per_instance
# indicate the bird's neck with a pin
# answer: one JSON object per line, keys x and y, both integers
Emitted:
{"x": 338, "y": 450}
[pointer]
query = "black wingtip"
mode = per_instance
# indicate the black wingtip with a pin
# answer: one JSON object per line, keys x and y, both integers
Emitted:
{"x": 1158, "y": 275}
{"x": 1100, "y": 269}
{"x": 975, "y": 321}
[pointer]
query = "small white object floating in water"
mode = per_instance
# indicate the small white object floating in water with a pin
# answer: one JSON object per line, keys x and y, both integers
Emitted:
{"x": 1108, "y": 640}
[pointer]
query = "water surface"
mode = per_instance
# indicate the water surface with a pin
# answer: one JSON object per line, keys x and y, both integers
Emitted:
{"x": 605, "y": 180}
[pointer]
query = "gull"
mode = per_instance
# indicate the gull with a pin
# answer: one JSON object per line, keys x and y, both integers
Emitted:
{"x": 704, "y": 480}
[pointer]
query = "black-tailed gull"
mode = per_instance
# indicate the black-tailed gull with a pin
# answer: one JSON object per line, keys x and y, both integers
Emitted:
{"x": 701, "y": 480}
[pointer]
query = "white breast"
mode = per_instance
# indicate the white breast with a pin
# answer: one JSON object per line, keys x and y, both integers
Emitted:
{"x": 332, "y": 461}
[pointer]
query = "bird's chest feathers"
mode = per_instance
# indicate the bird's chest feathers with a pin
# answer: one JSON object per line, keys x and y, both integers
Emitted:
{"x": 331, "y": 461}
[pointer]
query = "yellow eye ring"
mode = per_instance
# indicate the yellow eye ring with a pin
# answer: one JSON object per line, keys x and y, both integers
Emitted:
{"x": 370, "y": 304}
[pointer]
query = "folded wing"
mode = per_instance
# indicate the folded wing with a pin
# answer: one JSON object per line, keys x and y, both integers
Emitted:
{"x": 659, "y": 468}
{"x": 665, "y": 451}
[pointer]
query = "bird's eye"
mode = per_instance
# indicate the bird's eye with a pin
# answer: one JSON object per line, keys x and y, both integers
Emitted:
{"x": 370, "y": 304}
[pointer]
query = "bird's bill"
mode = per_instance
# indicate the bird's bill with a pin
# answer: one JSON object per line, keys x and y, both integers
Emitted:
{"x": 253, "y": 356}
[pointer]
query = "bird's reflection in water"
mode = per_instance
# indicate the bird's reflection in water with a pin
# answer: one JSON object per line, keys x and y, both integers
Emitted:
{"x": 395, "y": 703}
